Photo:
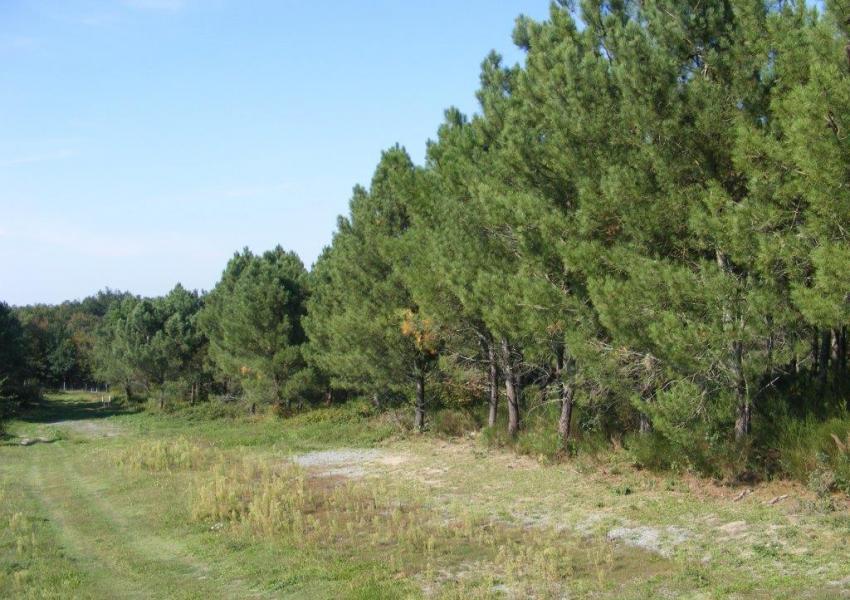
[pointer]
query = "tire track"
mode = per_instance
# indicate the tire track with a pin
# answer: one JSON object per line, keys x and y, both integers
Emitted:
{"x": 124, "y": 560}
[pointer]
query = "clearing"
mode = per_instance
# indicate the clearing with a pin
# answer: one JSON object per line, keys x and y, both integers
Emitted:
{"x": 110, "y": 504}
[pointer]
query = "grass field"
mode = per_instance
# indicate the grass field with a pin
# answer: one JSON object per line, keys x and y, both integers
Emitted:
{"x": 105, "y": 503}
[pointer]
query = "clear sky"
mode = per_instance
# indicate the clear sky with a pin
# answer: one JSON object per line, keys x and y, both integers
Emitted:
{"x": 142, "y": 142}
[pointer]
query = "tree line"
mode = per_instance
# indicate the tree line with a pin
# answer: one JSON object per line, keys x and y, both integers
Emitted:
{"x": 51, "y": 346}
{"x": 646, "y": 226}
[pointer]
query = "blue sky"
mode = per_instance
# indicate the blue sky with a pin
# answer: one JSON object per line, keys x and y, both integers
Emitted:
{"x": 142, "y": 142}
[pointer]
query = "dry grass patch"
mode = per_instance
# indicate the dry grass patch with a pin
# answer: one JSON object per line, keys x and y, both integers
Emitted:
{"x": 381, "y": 522}
{"x": 167, "y": 455}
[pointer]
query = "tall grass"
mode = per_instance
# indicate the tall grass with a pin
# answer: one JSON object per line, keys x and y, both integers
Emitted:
{"x": 276, "y": 498}
{"x": 817, "y": 452}
{"x": 166, "y": 455}
{"x": 263, "y": 498}
{"x": 278, "y": 502}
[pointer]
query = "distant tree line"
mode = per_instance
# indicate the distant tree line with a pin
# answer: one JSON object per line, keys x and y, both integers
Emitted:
{"x": 647, "y": 227}
{"x": 50, "y": 346}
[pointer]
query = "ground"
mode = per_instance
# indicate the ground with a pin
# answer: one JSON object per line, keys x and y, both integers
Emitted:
{"x": 97, "y": 502}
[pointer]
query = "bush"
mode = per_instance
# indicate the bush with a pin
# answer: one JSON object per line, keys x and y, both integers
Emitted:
{"x": 704, "y": 453}
{"x": 538, "y": 434}
{"x": 494, "y": 437}
{"x": 812, "y": 451}
{"x": 214, "y": 409}
{"x": 396, "y": 421}
{"x": 452, "y": 422}
{"x": 815, "y": 452}
{"x": 653, "y": 451}
{"x": 539, "y": 442}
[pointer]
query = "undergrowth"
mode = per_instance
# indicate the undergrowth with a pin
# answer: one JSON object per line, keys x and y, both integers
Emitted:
{"x": 817, "y": 453}
{"x": 812, "y": 451}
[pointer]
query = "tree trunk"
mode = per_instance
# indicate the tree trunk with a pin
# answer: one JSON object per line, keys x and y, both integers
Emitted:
{"x": 419, "y": 420}
{"x": 823, "y": 359}
{"x": 566, "y": 418}
{"x": 161, "y": 400}
{"x": 841, "y": 360}
{"x": 742, "y": 419}
{"x": 128, "y": 392}
{"x": 815, "y": 355}
{"x": 743, "y": 410}
{"x": 566, "y": 394}
{"x": 494, "y": 385}
{"x": 838, "y": 352}
{"x": 376, "y": 401}
{"x": 511, "y": 390}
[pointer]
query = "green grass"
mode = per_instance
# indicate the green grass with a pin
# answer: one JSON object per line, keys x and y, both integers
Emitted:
{"x": 203, "y": 503}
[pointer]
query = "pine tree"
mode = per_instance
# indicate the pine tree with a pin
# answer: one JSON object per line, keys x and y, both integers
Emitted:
{"x": 252, "y": 319}
{"x": 365, "y": 330}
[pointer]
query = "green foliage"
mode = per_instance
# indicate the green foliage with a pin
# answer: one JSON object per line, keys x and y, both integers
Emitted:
{"x": 253, "y": 321}
{"x": 365, "y": 330}
{"x": 452, "y": 422}
{"x": 816, "y": 452}
{"x": 59, "y": 340}
{"x": 13, "y": 367}
{"x": 152, "y": 344}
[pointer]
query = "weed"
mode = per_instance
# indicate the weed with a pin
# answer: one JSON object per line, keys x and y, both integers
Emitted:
{"x": 767, "y": 550}
{"x": 622, "y": 490}
{"x": 160, "y": 455}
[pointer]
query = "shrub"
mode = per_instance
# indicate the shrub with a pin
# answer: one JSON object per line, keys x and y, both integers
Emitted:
{"x": 453, "y": 422}
{"x": 704, "y": 453}
{"x": 539, "y": 442}
{"x": 213, "y": 409}
{"x": 815, "y": 452}
{"x": 494, "y": 437}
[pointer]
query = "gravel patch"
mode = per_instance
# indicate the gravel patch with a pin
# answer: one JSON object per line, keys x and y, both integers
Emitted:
{"x": 352, "y": 463}
{"x": 654, "y": 539}
{"x": 91, "y": 429}
{"x": 330, "y": 458}
{"x": 735, "y": 529}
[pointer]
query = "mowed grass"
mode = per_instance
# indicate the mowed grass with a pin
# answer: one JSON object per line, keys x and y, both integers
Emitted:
{"x": 117, "y": 504}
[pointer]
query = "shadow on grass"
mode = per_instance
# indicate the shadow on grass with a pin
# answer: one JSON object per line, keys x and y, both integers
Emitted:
{"x": 57, "y": 407}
